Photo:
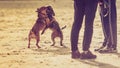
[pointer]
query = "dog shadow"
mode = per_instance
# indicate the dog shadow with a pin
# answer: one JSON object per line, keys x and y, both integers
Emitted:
{"x": 59, "y": 50}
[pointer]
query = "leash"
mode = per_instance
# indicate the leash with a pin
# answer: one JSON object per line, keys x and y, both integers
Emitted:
{"x": 103, "y": 6}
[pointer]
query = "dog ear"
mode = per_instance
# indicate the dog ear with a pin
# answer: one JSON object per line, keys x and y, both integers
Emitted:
{"x": 37, "y": 10}
{"x": 51, "y": 10}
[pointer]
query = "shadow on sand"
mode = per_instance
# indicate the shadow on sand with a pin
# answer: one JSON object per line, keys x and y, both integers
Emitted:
{"x": 54, "y": 49}
{"x": 95, "y": 63}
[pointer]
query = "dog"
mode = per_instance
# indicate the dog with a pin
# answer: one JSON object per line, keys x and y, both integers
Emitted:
{"x": 54, "y": 26}
{"x": 40, "y": 24}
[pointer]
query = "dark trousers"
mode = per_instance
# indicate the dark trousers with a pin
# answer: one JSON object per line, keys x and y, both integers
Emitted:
{"x": 109, "y": 24}
{"x": 83, "y": 8}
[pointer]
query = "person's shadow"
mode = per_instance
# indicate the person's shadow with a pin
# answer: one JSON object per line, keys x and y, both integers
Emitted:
{"x": 98, "y": 64}
{"x": 118, "y": 54}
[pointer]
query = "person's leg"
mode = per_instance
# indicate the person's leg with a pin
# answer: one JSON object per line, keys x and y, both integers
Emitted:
{"x": 105, "y": 27}
{"x": 114, "y": 23}
{"x": 107, "y": 41}
{"x": 105, "y": 24}
{"x": 106, "y": 31}
{"x": 78, "y": 18}
{"x": 112, "y": 41}
{"x": 90, "y": 11}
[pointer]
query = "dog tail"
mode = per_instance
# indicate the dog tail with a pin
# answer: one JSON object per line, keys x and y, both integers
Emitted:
{"x": 63, "y": 27}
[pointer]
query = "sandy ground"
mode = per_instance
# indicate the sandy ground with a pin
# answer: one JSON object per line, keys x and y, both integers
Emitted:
{"x": 15, "y": 23}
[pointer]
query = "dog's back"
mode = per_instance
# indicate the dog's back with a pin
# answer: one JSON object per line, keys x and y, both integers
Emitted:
{"x": 54, "y": 26}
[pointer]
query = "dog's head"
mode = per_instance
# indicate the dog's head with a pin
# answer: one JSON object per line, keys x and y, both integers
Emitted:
{"x": 50, "y": 11}
{"x": 42, "y": 12}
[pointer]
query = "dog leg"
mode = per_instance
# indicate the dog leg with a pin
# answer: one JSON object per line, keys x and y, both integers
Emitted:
{"x": 29, "y": 39}
{"x": 29, "y": 42}
{"x": 61, "y": 40}
{"x": 37, "y": 40}
{"x": 44, "y": 30}
{"x": 53, "y": 39}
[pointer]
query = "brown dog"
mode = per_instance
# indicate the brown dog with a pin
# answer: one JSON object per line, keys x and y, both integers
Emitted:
{"x": 54, "y": 26}
{"x": 40, "y": 24}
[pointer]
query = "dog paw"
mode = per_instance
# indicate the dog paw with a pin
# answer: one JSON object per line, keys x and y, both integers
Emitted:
{"x": 38, "y": 47}
{"x": 64, "y": 46}
{"x": 28, "y": 46}
{"x": 52, "y": 45}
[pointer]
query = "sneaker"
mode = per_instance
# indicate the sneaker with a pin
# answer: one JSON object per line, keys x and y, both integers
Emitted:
{"x": 87, "y": 55}
{"x": 99, "y": 48}
{"x": 108, "y": 50}
{"x": 76, "y": 54}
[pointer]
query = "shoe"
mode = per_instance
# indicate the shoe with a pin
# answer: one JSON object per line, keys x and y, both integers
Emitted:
{"x": 87, "y": 55}
{"x": 99, "y": 48}
{"x": 76, "y": 54}
{"x": 108, "y": 50}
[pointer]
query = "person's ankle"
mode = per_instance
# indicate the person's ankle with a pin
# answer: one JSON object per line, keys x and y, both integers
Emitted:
{"x": 85, "y": 52}
{"x": 75, "y": 54}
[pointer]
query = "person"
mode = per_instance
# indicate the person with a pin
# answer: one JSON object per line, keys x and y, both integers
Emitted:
{"x": 83, "y": 8}
{"x": 108, "y": 16}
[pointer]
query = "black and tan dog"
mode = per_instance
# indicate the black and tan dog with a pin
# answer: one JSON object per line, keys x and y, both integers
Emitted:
{"x": 45, "y": 20}
{"x": 54, "y": 26}
{"x": 40, "y": 24}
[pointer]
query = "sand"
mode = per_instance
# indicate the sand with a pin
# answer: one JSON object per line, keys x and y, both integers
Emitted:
{"x": 18, "y": 17}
